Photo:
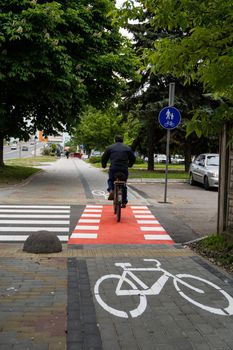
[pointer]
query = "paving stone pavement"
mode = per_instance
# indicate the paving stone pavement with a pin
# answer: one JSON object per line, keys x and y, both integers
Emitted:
{"x": 48, "y": 301}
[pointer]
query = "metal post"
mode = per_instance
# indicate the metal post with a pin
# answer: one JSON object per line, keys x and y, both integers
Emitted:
{"x": 20, "y": 154}
{"x": 34, "y": 147}
{"x": 170, "y": 104}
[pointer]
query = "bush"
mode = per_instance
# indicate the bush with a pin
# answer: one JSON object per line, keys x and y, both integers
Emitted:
{"x": 46, "y": 151}
{"x": 95, "y": 159}
{"x": 139, "y": 161}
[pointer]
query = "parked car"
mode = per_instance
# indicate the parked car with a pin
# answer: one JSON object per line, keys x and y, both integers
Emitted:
{"x": 205, "y": 170}
{"x": 24, "y": 148}
{"x": 160, "y": 158}
{"x": 13, "y": 146}
{"x": 95, "y": 153}
{"x": 177, "y": 159}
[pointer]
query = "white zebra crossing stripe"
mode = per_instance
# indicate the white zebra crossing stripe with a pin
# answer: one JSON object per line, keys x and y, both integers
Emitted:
{"x": 84, "y": 235}
{"x": 144, "y": 216}
{"x": 36, "y": 216}
{"x": 147, "y": 222}
{"x": 34, "y": 229}
{"x": 151, "y": 228}
{"x": 139, "y": 207}
{"x": 18, "y": 220}
{"x": 36, "y": 206}
{"x": 90, "y": 221}
{"x": 94, "y": 206}
{"x": 27, "y": 222}
{"x": 91, "y": 215}
{"x": 93, "y": 210}
{"x": 29, "y": 210}
{"x": 158, "y": 237}
{"x": 22, "y": 238}
{"x": 87, "y": 227}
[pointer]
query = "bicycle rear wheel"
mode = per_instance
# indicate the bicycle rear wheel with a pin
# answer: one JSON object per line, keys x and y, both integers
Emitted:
{"x": 115, "y": 199}
{"x": 222, "y": 302}
{"x": 118, "y": 211}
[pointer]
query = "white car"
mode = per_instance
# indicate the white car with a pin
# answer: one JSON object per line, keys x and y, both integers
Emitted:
{"x": 205, "y": 170}
{"x": 177, "y": 159}
{"x": 13, "y": 146}
{"x": 160, "y": 158}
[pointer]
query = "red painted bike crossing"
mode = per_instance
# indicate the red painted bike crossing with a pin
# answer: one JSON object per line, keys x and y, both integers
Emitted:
{"x": 98, "y": 225}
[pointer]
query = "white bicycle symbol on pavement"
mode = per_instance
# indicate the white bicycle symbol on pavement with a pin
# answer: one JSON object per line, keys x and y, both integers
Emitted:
{"x": 138, "y": 288}
{"x": 100, "y": 193}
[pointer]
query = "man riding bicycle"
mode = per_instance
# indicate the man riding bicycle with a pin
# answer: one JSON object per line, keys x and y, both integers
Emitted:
{"x": 121, "y": 158}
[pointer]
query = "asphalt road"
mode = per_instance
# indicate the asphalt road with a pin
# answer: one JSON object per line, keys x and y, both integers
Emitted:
{"x": 18, "y": 153}
{"x": 190, "y": 205}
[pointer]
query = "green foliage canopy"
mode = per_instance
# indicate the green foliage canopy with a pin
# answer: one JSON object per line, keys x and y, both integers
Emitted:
{"x": 204, "y": 52}
{"x": 55, "y": 57}
{"x": 97, "y": 128}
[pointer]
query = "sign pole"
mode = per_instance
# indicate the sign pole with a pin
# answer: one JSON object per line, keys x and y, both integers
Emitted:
{"x": 170, "y": 104}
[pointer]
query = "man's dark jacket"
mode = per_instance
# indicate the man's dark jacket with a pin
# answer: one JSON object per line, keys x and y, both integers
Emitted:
{"x": 120, "y": 155}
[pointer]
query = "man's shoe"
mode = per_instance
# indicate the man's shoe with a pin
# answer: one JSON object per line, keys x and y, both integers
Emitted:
{"x": 123, "y": 205}
{"x": 111, "y": 196}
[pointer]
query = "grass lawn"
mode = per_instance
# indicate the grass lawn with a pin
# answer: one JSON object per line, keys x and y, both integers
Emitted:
{"x": 17, "y": 170}
{"x": 140, "y": 171}
{"x": 30, "y": 161}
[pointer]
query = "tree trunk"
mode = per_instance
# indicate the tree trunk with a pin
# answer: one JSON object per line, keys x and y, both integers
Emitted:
{"x": 187, "y": 153}
{"x": 1, "y": 151}
{"x": 150, "y": 144}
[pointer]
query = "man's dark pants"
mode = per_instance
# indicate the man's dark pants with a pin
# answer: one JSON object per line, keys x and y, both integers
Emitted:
{"x": 111, "y": 179}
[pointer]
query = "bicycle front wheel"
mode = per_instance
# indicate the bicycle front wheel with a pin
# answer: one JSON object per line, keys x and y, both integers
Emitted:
{"x": 108, "y": 279}
{"x": 222, "y": 302}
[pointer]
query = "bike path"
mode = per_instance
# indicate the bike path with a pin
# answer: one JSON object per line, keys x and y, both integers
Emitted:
{"x": 155, "y": 311}
{"x": 98, "y": 225}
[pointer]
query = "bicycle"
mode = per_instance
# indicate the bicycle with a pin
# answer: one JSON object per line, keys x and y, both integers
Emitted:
{"x": 117, "y": 201}
{"x": 141, "y": 290}
{"x": 119, "y": 184}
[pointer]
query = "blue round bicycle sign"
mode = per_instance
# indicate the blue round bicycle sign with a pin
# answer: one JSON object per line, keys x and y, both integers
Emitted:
{"x": 169, "y": 117}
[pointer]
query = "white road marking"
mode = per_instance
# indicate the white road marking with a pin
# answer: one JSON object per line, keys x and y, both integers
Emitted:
{"x": 92, "y": 211}
{"x": 37, "y": 206}
{"x": 93, "y": 221}
{"x": 140, "y": 211}
{"x": 30, "y": 216}
{"x": 34, "y": 229}
{"x": 158, "y": 237}
{"x": 84, "y": 235}
{"x": 147, "y": 222}
{"x": 33, "y": 211}
{"x": 44, "y": 222}
{"x": 148, "y": 228}
{"x": 84, "y": 227}
{"x": 139, "y": 207}
{"x": 144, "y": 216}
{"x": 91, "y": 215}
{"x": 22, "y": 238}
{"x": 94, "y": 206}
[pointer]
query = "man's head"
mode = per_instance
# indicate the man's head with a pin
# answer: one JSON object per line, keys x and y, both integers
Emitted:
{"x": 118, "y": 138}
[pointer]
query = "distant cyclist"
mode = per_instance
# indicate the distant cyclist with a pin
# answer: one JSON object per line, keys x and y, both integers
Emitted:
{"x": 121, "y": 158}
{"x": 67, "y": 153}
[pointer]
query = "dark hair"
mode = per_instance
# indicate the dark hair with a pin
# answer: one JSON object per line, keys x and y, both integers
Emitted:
{"x": 118, "y": 138}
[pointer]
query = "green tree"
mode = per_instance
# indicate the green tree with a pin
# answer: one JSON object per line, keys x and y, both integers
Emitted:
{"x": 55, "y": 58}
{"x": 203, "y": 52}
{"x": 97, "y": 128}
{"x": 145, "y": 99}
